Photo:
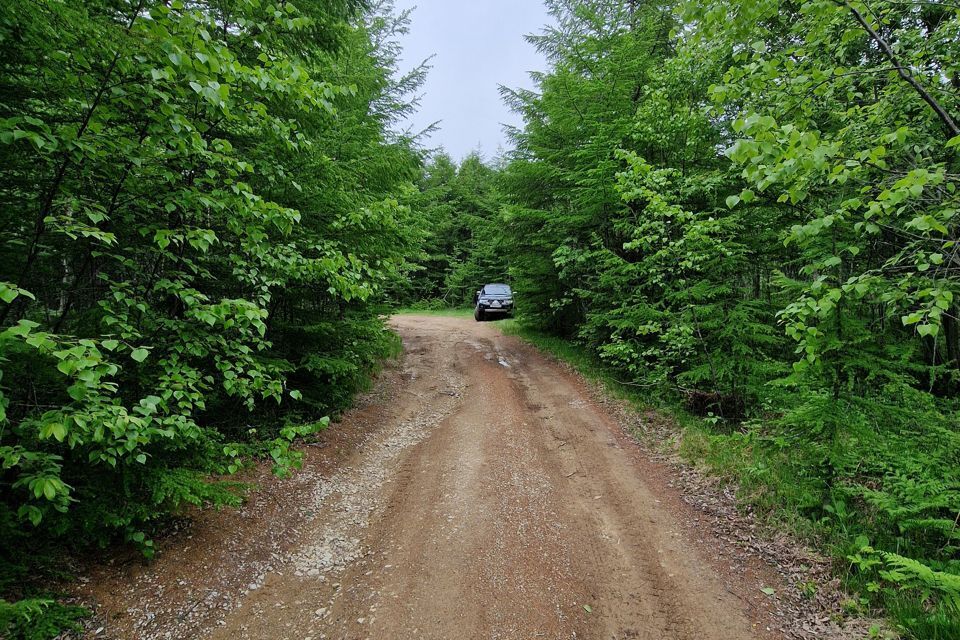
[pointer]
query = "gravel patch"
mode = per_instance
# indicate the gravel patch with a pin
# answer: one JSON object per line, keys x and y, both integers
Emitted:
{"x": 353, "y": 496}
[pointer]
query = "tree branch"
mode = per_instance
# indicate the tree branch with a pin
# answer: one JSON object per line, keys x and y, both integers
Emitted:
{"x": 902, "y": 71}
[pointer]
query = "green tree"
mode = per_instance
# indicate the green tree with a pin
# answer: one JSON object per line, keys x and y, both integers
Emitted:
{"x": 203, "y": 203}
{"x": 751, "y": 207}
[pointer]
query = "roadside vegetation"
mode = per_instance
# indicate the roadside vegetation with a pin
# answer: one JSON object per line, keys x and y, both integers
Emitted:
{"x": 751, "y": 208}
{"x": 204, "y": 203}
{"x": 435, "y": 310}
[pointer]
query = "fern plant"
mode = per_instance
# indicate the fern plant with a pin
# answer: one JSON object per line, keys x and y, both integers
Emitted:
{"x": 913, "y": 575}
{"x": 38, "y": 618}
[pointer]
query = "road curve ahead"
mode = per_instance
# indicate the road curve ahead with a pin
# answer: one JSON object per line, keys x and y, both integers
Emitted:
{"x": 500, "y": 501}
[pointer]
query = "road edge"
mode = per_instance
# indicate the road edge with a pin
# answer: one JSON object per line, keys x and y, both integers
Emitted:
{"x": 749, "y": 550}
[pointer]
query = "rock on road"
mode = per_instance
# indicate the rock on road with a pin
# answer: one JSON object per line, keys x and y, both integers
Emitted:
{"x": 504, "y": 506}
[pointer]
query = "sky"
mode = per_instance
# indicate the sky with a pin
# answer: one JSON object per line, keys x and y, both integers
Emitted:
{"x": 478, "y": 46}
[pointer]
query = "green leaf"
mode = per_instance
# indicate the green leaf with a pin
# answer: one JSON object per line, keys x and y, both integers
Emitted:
{"x": 7, "y": 293}
{"x": 911, "y": 318}
{"x": 928, "y": 329}
{"x": 139, "y": 354}
{"x": 768, "y": 591}
{"x": 67, "y": 367}
{"x": 588, "y": 608}
{"x": 59, "y": 431}
{"x": 732, "y": 201}
{"x": 30, "y": 512}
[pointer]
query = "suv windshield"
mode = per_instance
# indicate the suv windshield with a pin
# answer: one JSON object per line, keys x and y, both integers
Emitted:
{"x": 496, "y": 290}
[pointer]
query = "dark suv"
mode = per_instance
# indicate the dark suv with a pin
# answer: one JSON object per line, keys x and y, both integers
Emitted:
{"x": 493, "y": 300}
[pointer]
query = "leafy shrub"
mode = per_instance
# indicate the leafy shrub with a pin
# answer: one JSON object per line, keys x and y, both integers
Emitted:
{"x": 758, "y": 222}
{"x": 204, "y": 207}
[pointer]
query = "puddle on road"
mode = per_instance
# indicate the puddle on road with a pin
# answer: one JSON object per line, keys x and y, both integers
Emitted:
{"x": 489, "y": 355}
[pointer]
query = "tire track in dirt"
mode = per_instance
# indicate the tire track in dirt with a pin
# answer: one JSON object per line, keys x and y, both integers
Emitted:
{"x": 514, "y": 513}
{"x": 494, "y": 499}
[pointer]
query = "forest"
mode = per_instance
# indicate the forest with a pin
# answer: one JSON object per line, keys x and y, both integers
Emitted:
{"x": 744, "y": 212}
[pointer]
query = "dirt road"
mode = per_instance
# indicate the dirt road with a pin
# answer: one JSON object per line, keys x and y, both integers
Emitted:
{"x": 494, "y": 499}
{"x": 518, "y": 515}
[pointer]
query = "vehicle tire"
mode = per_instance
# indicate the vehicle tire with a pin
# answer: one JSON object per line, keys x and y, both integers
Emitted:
{"x": 478, "y": 315}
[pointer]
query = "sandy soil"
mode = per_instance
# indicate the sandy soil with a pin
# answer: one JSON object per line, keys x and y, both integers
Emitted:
{"x": 479, "y": 492}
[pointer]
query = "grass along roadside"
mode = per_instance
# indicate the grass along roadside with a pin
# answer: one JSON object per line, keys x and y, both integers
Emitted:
{"x": 769, "y": 481}
{"x": 449, "y": 312}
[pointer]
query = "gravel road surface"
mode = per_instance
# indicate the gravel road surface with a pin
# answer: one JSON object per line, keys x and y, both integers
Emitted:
{"x": 500, "y": 505}
{"x": 487, "y": 495}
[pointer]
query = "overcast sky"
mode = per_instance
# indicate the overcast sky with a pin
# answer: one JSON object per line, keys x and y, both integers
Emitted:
{"x": 478, "y": 45}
